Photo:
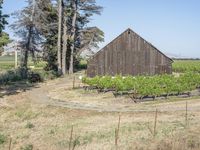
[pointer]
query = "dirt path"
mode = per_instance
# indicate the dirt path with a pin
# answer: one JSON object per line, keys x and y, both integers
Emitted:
{"x": 41, "y": 95}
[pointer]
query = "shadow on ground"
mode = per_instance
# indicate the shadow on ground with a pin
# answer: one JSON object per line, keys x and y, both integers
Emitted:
{"x": 14, "y": 88}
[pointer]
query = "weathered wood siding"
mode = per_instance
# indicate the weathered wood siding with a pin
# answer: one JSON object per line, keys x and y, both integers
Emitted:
{"x": 129, "y": 54}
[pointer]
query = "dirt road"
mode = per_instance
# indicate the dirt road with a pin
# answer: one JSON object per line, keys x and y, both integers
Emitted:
{"x": 50, "y": 93}
{"x": 59, "y": 93}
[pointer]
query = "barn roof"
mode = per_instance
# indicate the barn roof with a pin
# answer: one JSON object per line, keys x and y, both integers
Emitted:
{"x": 130, "y": 30}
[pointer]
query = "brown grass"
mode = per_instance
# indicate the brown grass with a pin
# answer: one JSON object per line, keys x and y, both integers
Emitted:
{"x": 51, "y": 127}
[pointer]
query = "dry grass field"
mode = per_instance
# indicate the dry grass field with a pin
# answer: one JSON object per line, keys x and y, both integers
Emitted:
{"x": 42, "y": 118}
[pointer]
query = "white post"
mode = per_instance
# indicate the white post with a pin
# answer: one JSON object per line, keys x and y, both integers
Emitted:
{"x": 15, "y": 59}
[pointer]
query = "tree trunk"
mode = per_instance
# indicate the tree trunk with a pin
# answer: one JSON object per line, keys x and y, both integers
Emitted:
{"x": 24, "y": 55}
{"x": 64, "y": 50}
{"x": 24, "y": 59}
{"x": 59, "y": 58}
{"x": 25, "y": 52}
{"x": 71, "y": 65}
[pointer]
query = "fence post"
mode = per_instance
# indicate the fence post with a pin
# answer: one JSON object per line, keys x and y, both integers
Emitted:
{"x": 70, "y": 138}
{"x": 10, "y": 143}
{"x": 16, "y": 59}
{"x": 155, "y": 122}
{"x": 117, "y": 133}
{"x": 74, "y": 79}
{"x": 186, "y": 114}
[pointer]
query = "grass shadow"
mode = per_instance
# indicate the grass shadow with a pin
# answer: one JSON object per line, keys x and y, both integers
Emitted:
{"x": 13, "y": 88}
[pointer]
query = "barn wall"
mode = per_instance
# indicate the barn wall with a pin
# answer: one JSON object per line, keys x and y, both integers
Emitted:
{"x": 129, "y": 54}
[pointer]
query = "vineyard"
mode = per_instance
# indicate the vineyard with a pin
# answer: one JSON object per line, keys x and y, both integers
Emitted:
{"x": 186, "y": 65}
{"x": 147, "y": 86}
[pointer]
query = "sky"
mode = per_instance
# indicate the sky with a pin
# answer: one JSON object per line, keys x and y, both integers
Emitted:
{"x": 173, "y": 26}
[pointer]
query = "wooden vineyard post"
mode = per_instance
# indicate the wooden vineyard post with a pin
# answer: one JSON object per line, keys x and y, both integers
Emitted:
{"x": 71, "y": 138}
{"x": 155, "y": 122}
{"x": 10, "y": 143}
{"x": 117, "y": 133}
{"x": 74, "y": 79}
{"x": 186, "y": 114}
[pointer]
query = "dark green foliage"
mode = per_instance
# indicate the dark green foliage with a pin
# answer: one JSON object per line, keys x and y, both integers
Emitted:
{"x": 49, "y": 31}
{"x": 37, "y": 25}
{"x": 49, "y": 74}
{"x": 85, "y": 38}
{"x": 3, "y": 18}
{"x": 10, "y": 76}
{"x": 4, "y": 37}
{"x": 17, "y": 75}
{"x": 34, "y": 77}
{"x": 29, "y": 125}
{"x": 2, "y": 138}
{"x": 4, "y": 40}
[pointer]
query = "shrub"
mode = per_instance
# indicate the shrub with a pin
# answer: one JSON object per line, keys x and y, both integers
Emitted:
{"x": 2, "y": 138}
{"x": 29, "y": 125}
{"x": 10, "y": 76}
{"x": 34, "y": 77}
{"x": 48, "y": 74}
{"x": 16, "y": 75}
{"x": 27, "y": 147}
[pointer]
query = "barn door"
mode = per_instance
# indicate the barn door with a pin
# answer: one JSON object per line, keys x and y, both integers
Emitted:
{"x": 91, "y": 71}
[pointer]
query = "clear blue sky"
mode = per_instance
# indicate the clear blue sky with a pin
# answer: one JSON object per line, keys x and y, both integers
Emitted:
{"x": 173, "y": 26}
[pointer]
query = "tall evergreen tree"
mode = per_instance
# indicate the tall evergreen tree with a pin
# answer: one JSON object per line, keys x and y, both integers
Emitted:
{"x": 82, "y": 11}
{"x": 48, "y": 26}
{"x": 3, "y": 17}
{"x": 70, "y": 32}
{"x": 27, "y": 28}
{"x": 62, "y": 34}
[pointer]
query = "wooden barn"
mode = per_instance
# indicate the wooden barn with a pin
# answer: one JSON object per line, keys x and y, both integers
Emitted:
{"x": 129, "y": 54}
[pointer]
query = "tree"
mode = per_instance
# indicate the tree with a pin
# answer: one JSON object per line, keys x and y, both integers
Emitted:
{"x": 27, "y": 28}
{"x": 74, "y": 6}
{"x": 48, "y": 26}
{"x": 90, "y": 37}
{"x": 72, "y": 17}
{"x": 4, "y": 37}
{"x": 3, "y": 17}
{"x": 82, "y": 11}
{"x": 59, "y": 29}
{"x": 60, "y": 18}
{"x": 65, "y": 45}
{"x": 4, "y": 40}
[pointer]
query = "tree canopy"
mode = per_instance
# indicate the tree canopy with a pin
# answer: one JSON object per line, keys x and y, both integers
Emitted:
{"x": 3, "y": 18}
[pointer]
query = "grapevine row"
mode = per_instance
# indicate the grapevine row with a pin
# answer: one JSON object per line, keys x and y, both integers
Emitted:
{"x": 186, "y": 66}
{"x": 143, "y": 86}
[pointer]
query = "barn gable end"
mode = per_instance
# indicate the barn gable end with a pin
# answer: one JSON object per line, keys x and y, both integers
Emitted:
{"x": 129, "y": 54}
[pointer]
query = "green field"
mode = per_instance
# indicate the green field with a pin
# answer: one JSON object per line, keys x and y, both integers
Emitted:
{"x": 186, "y": 65}
{"x": 8, "y": 62}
